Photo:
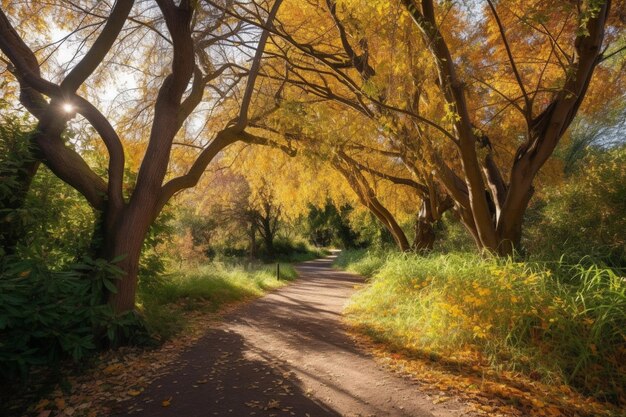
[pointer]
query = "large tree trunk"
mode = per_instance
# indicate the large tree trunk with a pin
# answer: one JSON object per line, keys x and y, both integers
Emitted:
{"x": 509, "y": 226}
{"x": 124, "y": 233}
{"x": 511, "y": 219}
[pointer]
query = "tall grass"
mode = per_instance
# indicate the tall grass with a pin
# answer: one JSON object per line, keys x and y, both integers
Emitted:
{"x": 208, "y": 287}
{"x": 564, "y": 324}
{"x": 364, "y": 262}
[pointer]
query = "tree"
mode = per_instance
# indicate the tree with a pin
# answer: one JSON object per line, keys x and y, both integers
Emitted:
{"x": 478, "y": 102}
{"x": 324, "y": 131}
{"x": 189, "y": 35}
{"x": 329, "y": 225}
{"x": 495, "y": 217}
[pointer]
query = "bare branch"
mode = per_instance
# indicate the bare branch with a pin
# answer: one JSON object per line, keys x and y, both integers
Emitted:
{"x": 100, "y": 47}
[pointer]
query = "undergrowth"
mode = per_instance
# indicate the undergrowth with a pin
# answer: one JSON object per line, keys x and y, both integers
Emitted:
{"x": 562, "y": 324}
{"x": 164, "y": 301}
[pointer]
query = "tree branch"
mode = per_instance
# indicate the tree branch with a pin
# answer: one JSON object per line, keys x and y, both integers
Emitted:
{"x": 242, "y": 120}
{"x": 93, "y": 58}
{"x": 507, "y": 47}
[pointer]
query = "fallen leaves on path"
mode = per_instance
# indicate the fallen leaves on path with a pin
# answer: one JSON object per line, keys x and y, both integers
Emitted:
{"x": 120, "y": 375}
{"x": 488, "y": 392}
{"x": 273, "y": 404}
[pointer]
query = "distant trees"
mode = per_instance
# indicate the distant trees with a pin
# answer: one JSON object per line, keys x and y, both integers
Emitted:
{"x": 329, "y": 226}
{"x": 233, "y": 217}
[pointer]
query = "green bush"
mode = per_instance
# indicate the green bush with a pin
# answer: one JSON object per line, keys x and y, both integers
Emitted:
{"x": 48, "y": 315}
{"x": 292, "y": 251}
{"x": 57, "y": 222}
{"x": 52, "y": 291}
{"x": 330, "y": 226}
{"x": 585, "y": 216}
{"x": 451, "y": 235}
{"x": 53, "y": 223}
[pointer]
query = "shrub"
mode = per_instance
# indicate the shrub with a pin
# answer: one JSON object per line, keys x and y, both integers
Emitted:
{"x": 330, "y": 226}
{"x": 52, "y": 291}
{"x": 584, "y": 216}
{"x": 451, "y": 235}
{"x": 48, "y": 315}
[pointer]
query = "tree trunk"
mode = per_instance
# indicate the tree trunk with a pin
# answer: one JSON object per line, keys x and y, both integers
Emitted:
{"x": 123, "y": 238}
{"x": 268, "y": 237}
{"x": 252, "y": 251}
{"x": 424, "y": 236}
{"x": 509, "y": 226}
{"x": 512, "y": 217}
{"x": 424, "y": 232}
{"x": 390, "y": 224}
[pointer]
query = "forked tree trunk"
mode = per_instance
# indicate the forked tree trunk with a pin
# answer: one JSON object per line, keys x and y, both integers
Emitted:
{"x": 509, "y": 232}
{"x": 507, "y": 220}
{"x": 511, "y": 219}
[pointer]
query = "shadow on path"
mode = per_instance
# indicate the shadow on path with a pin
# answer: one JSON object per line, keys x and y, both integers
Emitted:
{"x": 286, "y": 354}
{"x": 221, "y": 376}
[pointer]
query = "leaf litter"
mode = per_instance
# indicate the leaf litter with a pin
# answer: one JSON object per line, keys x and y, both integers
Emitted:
{"x": 488, "y": 392}
{"x": 120, "y": 375}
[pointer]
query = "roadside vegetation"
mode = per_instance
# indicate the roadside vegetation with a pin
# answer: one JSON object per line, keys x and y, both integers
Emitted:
{"x": 557, "y": 317}
{"x": 558, "y": 323}
{"x": 206, "y": 288}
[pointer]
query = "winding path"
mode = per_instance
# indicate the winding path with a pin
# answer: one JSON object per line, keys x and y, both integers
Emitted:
{"x": 287, "y": 354}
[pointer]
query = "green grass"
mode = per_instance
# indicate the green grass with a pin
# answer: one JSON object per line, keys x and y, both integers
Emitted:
{"x": 297, "y": 257}
{"x": 566, "y": 324}
{"x": 361, "y": 261}
{"x": 165, "y": 301}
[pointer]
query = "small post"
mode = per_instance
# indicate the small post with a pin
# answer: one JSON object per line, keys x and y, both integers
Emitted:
{"x": 278, "y": 271}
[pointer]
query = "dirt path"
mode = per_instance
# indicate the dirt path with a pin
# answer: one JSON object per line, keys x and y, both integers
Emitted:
{"x": 286, "y": 354}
